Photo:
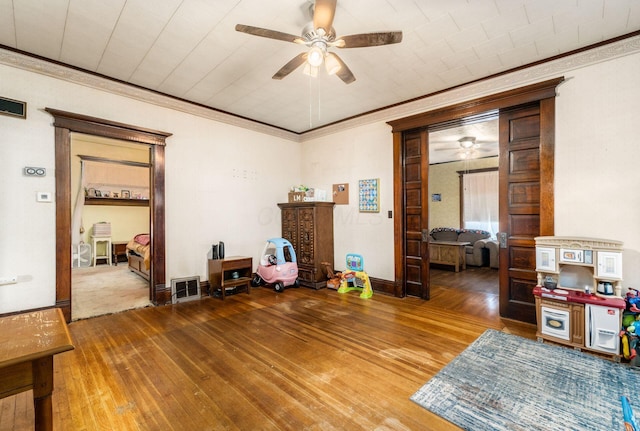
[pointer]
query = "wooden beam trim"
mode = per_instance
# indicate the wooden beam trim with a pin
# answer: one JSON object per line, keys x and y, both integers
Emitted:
{"x": 517, "y": 96}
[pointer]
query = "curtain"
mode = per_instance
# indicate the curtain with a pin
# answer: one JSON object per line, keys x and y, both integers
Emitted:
{"x": 76, "y": 221}
{"x": 480, "y": 198}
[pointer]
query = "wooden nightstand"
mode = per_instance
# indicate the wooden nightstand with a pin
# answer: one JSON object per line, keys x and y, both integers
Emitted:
{"x": 118, "y": 250}
{"x": 230, "y": 272}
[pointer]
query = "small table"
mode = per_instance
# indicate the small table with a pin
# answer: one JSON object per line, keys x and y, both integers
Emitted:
{"x": 118, "y": 249}
{"x": 448, "y": 253}
{"x": 106, "y": 240}
{"x": 230, "y": 272}
{"x": 28, "y": 342}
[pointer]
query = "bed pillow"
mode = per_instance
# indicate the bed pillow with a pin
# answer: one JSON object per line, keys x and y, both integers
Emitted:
{"x": 142, "y": 238}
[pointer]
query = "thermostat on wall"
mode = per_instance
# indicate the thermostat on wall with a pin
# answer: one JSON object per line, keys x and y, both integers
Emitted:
{"x": 43, "y": 196}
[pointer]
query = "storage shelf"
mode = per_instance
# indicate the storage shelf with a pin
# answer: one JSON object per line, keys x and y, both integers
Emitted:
{"x": 117, "y": 202}
{"x": 233, "y": 282}
{"x": 221, "y": 270}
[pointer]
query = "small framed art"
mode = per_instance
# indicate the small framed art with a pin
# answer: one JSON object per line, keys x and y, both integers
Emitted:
{"x": 369, "y": 195}
{"x": 125, "y": 194}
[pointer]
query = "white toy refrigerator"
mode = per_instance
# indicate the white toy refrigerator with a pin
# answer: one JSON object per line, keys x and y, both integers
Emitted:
{"x": 602, "y": 328}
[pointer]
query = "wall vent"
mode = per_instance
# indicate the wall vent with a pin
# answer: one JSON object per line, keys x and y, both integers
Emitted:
{"x": 185, "y": 289}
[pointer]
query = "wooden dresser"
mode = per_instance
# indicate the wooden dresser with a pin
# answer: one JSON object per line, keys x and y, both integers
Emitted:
{"x": 309, "y": 228}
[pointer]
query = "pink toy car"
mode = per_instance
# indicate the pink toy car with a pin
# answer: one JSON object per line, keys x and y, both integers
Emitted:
{"x": 278, "y": 265}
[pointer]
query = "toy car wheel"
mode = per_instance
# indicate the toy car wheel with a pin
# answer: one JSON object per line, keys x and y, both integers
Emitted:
{"x": 257, "y": 281}
{"x": 296, "y": 283}
{"x": 279, "y": 287}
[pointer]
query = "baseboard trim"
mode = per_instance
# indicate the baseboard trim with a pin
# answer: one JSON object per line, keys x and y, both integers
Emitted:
{"x": 388, "y": 287}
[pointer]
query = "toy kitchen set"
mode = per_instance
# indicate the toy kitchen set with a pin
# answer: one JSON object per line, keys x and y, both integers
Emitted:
{"x": 579, "y": 293}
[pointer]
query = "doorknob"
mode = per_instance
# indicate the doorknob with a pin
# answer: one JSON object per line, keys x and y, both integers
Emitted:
{"x": 502, "y": 239}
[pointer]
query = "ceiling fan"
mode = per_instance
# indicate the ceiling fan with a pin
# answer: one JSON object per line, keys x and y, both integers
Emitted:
{"x": 466, "y": 146}
{"x": 319, "y": 35}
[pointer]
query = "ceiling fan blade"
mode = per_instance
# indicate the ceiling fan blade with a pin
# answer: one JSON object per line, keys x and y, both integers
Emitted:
{"x": 270, "y": 34}
{"x": 343, "y": 73}
{"x": 292, "y": 65}
{"x": 369, "y": 39}
{"x": 323, "y": 14}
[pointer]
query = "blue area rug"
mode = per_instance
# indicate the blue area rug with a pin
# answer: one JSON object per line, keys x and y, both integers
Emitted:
{"x": 505, "y": 382}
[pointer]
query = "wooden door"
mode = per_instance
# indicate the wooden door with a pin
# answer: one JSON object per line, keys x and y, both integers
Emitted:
{"x": 525, "y": 210}
{"x": 410, "y": 143}
{"x": 416, "y": 213}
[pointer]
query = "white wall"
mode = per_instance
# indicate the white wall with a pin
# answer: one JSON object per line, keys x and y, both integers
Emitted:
{"x": 222, "y": 183}
{"x": 345, "y": 157}
{"x": 597, "y": 175}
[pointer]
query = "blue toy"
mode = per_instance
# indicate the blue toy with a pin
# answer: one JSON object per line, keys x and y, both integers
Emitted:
{"x": 633, "y": 300}
{"x": 354, "y": 278}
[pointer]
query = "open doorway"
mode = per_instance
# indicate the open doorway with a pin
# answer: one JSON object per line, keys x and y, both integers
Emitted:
{"x": 110, "y": 207}
{"x": 526, "y": 130}
{"x": 66, "y": 123}
{"x": 463, "y": 204}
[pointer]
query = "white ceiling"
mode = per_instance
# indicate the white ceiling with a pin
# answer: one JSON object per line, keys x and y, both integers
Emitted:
{"x": 189, "y": 48}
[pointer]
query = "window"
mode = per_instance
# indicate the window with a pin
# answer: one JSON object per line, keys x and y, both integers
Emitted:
{"x": 480, "y": 201}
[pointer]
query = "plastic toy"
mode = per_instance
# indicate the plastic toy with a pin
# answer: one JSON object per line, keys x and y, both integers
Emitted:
{"x": 278, "y": 265}
{"x": 334, "y": 278}
{"x": 633, "y": 300}
{"x": 629, "y": 418}
{"x": 355, "y": 278}
{"x": 630, "y": 333}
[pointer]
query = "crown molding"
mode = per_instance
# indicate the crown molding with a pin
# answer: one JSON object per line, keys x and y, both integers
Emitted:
{"x": 507, "y": 81}
{"x": 484, "y": 87}
{"x": 66, "y": 73}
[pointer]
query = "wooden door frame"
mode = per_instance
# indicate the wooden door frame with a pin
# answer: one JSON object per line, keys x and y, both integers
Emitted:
{"x": 66, "y": 123}
{"x": 532, "y": 93}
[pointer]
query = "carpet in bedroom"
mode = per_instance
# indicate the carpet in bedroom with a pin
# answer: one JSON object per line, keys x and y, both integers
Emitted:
{"x": 506, "y": 382}
{"x": 106, "y": 289}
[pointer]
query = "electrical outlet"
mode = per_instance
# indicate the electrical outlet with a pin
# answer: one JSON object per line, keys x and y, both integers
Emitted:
{"x": 13, "y": 279}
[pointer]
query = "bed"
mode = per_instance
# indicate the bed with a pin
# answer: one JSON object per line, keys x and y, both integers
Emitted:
{"x": 139, "y": 255}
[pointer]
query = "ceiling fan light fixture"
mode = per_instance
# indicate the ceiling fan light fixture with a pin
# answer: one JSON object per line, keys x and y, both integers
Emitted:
{"x": 331, "y": 64}
{"x": 467, "y": 142}
{"x": 309, "y": 70}
{"x": 315, "y": 56}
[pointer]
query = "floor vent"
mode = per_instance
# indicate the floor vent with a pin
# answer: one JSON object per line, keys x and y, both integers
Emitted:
{"x": 185, "y": 289}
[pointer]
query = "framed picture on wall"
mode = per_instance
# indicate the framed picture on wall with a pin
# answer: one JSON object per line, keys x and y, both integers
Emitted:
{"x": 369, "y": 195}
{"x": 126, "y": 194}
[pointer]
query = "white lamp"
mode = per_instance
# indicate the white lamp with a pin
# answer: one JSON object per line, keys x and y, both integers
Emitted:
{"x": 315, "y": 56}
{"x": 312, "y": 71}
{"x": 331, "y": 64}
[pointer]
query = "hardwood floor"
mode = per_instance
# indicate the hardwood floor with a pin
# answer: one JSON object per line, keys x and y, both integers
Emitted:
{"x": 298, "y": 360}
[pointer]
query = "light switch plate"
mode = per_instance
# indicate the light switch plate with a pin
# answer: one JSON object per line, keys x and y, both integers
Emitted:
{"x": 43, "y": 196}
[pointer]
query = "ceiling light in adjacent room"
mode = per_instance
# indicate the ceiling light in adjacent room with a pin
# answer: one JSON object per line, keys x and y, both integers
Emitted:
{"x": 467, "y": 142}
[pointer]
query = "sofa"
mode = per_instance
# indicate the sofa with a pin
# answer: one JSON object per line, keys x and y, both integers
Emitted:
{"x": 482, "y": 250}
